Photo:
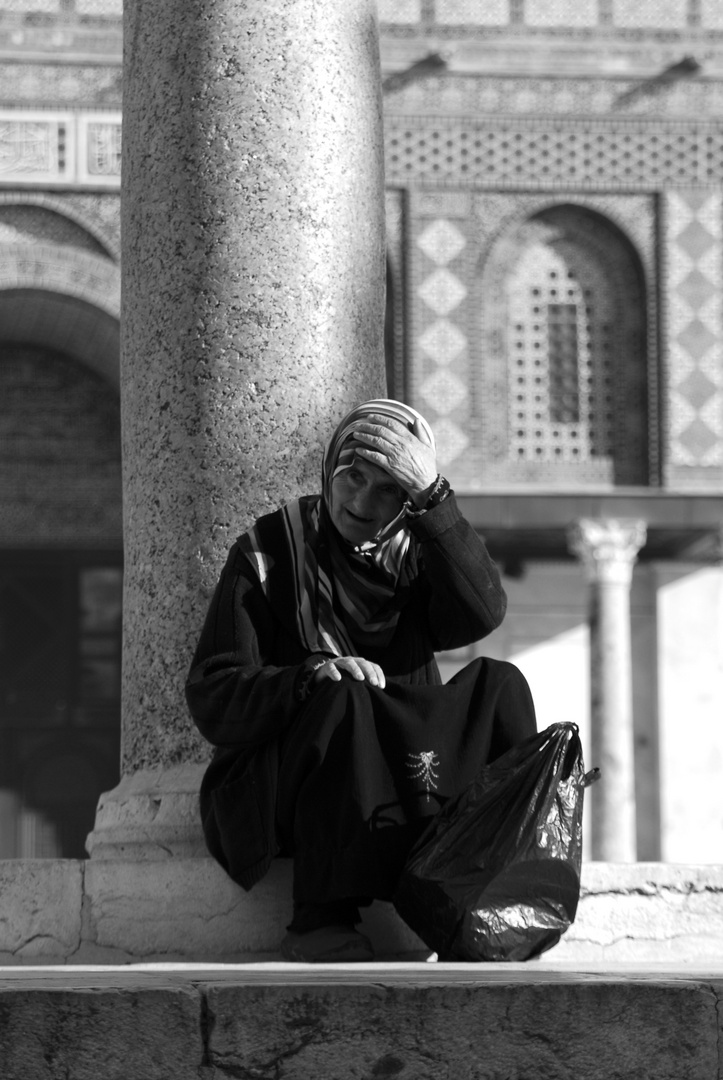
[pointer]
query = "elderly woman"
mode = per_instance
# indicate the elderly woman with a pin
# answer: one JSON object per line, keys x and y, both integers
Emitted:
{"x": 315, "y": 679}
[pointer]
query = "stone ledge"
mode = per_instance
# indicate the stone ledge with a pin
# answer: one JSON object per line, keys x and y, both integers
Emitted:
{"x": 369, "y": 1021}
{"x": 188, "y": 910}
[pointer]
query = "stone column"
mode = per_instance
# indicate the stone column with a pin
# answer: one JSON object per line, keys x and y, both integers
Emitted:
{"x": 252, "y": 320}
{"x": 608, "y": 549}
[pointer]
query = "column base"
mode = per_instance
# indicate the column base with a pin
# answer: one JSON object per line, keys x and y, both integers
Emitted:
{"x": 151, "y": 814}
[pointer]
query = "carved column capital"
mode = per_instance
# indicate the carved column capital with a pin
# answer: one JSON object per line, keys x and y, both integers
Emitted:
{"x": 607, "y": 547}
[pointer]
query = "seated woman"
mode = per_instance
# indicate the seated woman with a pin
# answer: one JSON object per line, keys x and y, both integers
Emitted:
{"x": 315, "y": 679}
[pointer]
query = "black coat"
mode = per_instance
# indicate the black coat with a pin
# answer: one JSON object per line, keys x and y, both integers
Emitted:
{"x": 243, "y": 687}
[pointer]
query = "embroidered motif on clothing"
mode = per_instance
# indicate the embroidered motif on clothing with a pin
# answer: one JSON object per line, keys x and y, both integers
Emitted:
{"x": 422, "y": 767}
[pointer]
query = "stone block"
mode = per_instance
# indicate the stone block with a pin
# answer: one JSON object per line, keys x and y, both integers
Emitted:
{"x": 642, "y": 912}
{"x": 88, "y": 1033}
{"x": 183, "y": 909}
{"x": 40, "y": 914}
{"x": 487, "y": 1024}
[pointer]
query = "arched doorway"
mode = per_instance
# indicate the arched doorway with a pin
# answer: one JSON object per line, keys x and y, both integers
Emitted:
{"x": 60, "y": 594}
{"x": 563, "y": 308}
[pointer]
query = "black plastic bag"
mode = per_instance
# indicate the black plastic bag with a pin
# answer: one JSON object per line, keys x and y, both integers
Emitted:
{"x": 496, "y": 875}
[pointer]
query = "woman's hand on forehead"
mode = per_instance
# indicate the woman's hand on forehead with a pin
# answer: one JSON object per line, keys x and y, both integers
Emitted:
{"x": 390, "y": 444}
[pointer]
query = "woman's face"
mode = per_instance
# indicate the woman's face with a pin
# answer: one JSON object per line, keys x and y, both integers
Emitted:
{"x": 364, "y": 499}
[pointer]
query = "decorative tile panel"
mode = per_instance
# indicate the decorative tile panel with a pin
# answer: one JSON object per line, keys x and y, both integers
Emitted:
{"x": 550, "y": 153}
{"x": 474, "y": 347}
{"x": 446, "y": 391}
{"x": 36, "y": 148}
{"x": 438, "y": 263}
{"x": 620, "y": 15}
{"x": 565, "y": 13}
{"x": 442, "y": 291}
{"x": 35, "y": 7}
{"x": 60, "y": 148}
{"x": 400, "y": 11}
{"x": 441, "y": 242}
{"x": 108, "y": 9}
{"x": 711, "y": 14}
{"x": 557, "y": 99}
{"x": 693, "y": 286}
{"x": 73, "y": 84}
{"x": 443, "y": 342}
{"x": 99, "y": 158}
{"x": 650, "y": 14}
{"x": 472, "y": 12}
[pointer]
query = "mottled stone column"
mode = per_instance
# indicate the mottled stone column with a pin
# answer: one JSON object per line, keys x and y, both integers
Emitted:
{"x": 252, "y": 320}
{"x": 608, "y": 549}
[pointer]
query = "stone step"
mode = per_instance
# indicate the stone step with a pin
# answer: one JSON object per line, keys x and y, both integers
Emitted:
{"x": 403, "y": 1021}
{"x": 109, "y": 911}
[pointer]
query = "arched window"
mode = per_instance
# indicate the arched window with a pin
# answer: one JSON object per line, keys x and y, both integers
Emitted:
{"x": 564, "y": 316}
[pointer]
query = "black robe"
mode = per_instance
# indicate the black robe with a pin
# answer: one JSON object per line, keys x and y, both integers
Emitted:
{"x": 346, "y": 779}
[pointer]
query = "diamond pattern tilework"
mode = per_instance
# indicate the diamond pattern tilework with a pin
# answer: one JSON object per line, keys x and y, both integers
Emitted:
{"x": 696, "y": 289}
{"x": 694, "y": 240}
{"x": 696, "y": 338}
{"x": 444, "y": 391}
{"x": 441, "y": 242}
{"x": 441, "y": 338}
{"x": 698, "y": 439}
{"x": 697, "y": 388}
{"x": 711, "y": 14}
{"x": 442, "y": 291}
{"x": 451, "y": 440}
{"x": 694, "y": 285}
{"x": 443, "y": 342}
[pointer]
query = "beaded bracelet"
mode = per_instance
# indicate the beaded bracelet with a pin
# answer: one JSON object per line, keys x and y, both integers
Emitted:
{"x": 438, "y": 494}
{"x": 440, "y": 491}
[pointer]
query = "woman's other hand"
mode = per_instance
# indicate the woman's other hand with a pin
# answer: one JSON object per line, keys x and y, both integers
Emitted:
{"x": 401, "y": 452}
{"x": 360, "y": 669}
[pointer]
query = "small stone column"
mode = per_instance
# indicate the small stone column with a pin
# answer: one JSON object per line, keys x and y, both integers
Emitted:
{"x": 253, "y": 271}
{"x": 608, "y": 549}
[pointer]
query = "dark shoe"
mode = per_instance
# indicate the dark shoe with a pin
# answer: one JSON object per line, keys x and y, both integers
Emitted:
{"x": 328, "y": 945}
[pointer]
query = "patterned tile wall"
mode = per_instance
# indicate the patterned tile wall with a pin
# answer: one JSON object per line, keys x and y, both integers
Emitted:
{"x": 693, "y": 224}
{"x": 439, "y": 377}
{"x": 458, "y": 339}
{"x": 621, "y": 15}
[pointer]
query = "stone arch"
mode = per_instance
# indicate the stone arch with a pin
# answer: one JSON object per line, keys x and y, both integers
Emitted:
{"x": 63, "y": 323}
{"x": 106, "y": 244}
{"x": 62, "y": 299}
{"x": 49, "y": 267}
{"x": 563, "y": 300}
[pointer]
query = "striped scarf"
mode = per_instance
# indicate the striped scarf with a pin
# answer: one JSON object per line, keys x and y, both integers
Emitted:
{"x": 335, "y": 599}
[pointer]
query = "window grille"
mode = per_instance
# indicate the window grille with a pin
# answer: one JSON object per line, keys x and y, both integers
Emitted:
{"x": 561, "y": 385}
{"x": 561, "y": 338}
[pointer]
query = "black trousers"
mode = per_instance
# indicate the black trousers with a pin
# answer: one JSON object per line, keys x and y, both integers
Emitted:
{"x": 364, "y": 770}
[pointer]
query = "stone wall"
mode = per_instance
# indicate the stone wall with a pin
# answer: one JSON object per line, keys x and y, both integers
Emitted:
{"x": 114, "y": 912}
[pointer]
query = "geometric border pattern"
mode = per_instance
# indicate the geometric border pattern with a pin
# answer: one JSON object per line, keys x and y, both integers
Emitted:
{"x": 49, "y": 267}
{"x": 694, "y": 282}
{"x": 552, "y": 153}
{"x": 566, "y": 15}
{"x": 98, "y": 213}
{"x": 439, "y": 269}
